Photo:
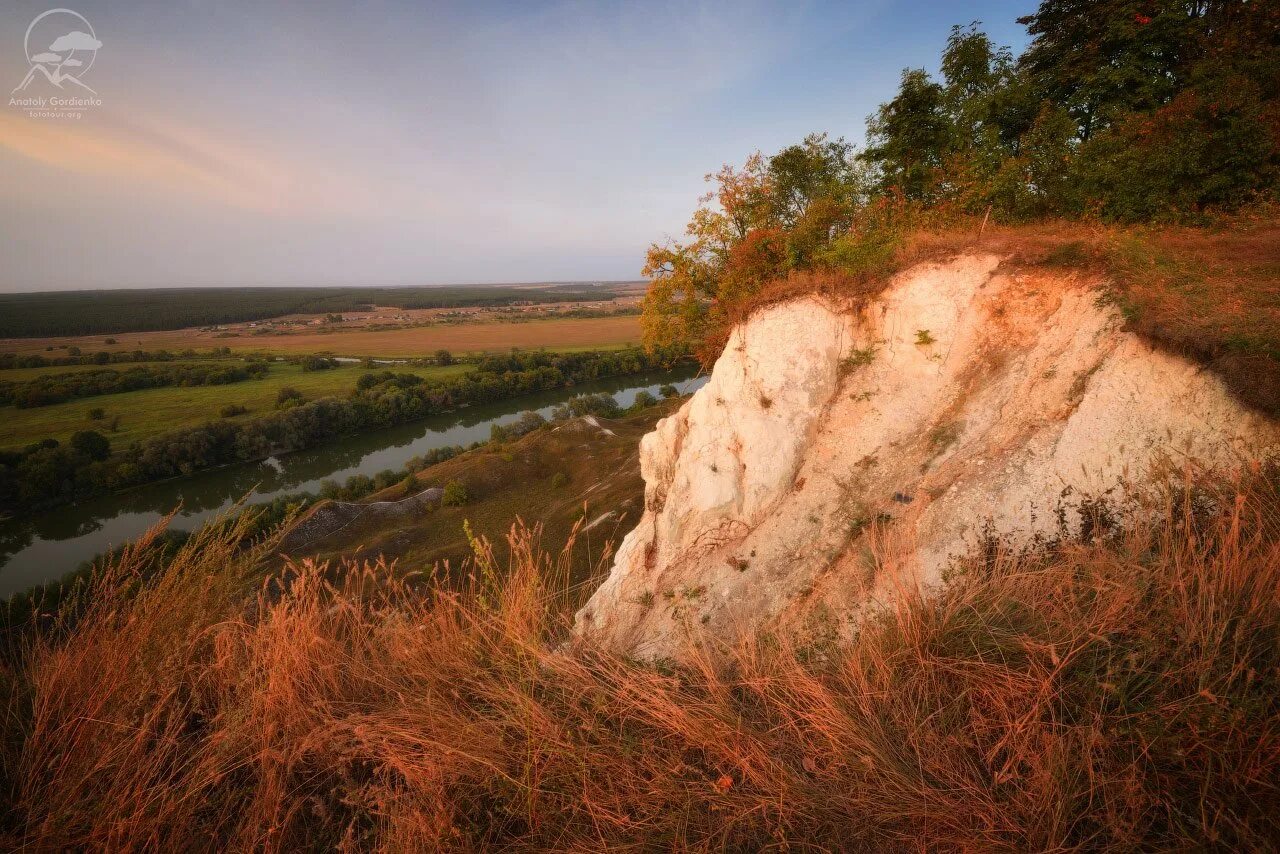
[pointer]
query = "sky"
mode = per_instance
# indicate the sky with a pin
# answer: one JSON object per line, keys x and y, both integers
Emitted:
{"x": 418, "y": 143}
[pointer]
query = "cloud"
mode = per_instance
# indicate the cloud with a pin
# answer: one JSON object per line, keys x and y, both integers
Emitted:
{"x": 75, "y": 40}
{"x": 72, "y": 63}
{"x": 46, "y": 57}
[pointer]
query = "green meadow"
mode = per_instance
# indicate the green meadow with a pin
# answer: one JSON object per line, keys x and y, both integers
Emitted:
{"x": 150, "y": 412}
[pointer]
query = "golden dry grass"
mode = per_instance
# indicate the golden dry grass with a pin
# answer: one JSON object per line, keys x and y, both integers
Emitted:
{"x": 556, "y": 334}
{"x": 1108, "y": 695}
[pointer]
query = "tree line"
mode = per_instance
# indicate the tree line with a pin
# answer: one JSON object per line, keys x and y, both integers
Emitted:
{"x": 48, "y": 473}
{"x": 38, "y": 315}
{"x": 1121, "y": 110}
{"x": 74, "y": 356}
{"x": 48, "y": 389}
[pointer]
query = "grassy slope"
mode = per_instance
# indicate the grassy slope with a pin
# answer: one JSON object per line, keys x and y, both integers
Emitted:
{"x": 508, "y": 481}
{"x": 150, "y": 412}
{"x": 1115, "y": 695}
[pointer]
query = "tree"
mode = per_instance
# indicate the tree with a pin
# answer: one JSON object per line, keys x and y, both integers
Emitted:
{"x": 1104, "y": 58}
{"x": 910, "y": 136}
{"x": 444, "y": 357}
{"x": 675, "y": 307}
{"x": 818, "y": 168}
{"x": 92, "y": 444}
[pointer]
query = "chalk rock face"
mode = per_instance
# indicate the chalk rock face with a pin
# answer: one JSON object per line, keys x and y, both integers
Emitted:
{"x": 840, "y": 453}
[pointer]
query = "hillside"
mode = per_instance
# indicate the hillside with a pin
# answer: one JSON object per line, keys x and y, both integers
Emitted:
{"x": 582, "y": 471}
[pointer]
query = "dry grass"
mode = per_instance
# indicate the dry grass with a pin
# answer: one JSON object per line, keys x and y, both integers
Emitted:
{"x": 1112, "y": 695}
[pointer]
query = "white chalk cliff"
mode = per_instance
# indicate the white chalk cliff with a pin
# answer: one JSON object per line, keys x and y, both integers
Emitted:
{"x": 841, "y": 452}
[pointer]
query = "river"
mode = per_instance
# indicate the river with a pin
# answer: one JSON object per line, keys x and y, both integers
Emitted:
{"x": 49, "y": 545}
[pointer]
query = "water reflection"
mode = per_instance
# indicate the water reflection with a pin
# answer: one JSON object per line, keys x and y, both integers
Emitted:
{"x": 43, "y": 548}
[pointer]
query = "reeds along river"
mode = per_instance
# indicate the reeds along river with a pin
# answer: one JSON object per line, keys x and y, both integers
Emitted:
{"x": 46, "y": 547}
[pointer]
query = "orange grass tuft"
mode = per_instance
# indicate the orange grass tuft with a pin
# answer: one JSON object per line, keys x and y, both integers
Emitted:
{"x": 1102, "y": 695}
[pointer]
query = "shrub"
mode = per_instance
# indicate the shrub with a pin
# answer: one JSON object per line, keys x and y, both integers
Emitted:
{"x": 669, "y": 391}
{"x": 858, "y": 358}
{"x": 643, "y": 400}
{"x": 358, "y": 486}
{"x": 385, "y": 478}
{"x": 97, "y": 413}
{"x": 455, "y": 494}
{"x": 231, "y": 410}
{"x": 559, "y": 479}
{"x": 318, "y": 363}
{"x": 288, "y": 395}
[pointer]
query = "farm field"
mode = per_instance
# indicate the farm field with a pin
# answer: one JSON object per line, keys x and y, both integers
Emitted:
{"x": 563, "y": 334}
{"x": 150, "y": 412}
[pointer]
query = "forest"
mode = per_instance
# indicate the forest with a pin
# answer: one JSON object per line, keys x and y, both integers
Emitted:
{"x": 38, "y": 315}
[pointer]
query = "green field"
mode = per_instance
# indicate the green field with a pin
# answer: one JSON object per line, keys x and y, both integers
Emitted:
{"x": 151, "y": 412}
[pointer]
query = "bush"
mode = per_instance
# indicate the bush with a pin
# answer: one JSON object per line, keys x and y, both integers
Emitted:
{"x": 592, "y": 404}
{"x": 455, "y": 494}
{"x": 318, "y": 363}
{"x": 231, "y": 410}
{"x": 97, "y": 413}
{"x": 559, "y": 479}
{"x": 386, "y": 478}
{"x": 643, "y": 400}
{"x": 288, "y": 395}
{"x": 1197, "y": 152}
{"x": 430, "y": 458}
{"x": 669, "y": 391}
{"x": 358, "y": 486}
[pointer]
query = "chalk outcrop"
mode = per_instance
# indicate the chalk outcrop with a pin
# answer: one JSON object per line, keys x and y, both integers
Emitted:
{"x": 841, "y": 452}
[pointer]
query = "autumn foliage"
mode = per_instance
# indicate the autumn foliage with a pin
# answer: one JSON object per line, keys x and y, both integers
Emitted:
{"x": 1117, "y": 112}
